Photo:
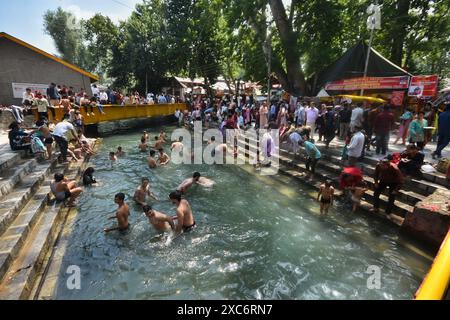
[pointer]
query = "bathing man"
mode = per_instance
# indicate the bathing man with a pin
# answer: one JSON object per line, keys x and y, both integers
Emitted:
{"x": 142, "y": 191}
{"x": 160, "y": 221}
{"x": 196, "y": 179}
{"x": 185, "y": 219}
{"x": 121, "y": 215}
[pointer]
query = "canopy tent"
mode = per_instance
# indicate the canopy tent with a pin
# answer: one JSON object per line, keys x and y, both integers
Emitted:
{"x": 322, "y": 94}
{"x": 351, "y": 65}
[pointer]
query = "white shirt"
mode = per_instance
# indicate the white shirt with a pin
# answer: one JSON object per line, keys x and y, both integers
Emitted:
{"x": 311, "y": 115}
{"x": 104, "y": 96}
{"x": 27, "y": 96}
{"x": 95, "y": 91}
{"x": 356, "y": 146}
{"x": 357, "y": 117}
{"x": 62, "y": 128}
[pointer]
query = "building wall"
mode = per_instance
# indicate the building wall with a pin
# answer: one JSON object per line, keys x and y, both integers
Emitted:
{"x": 22, "y": 65}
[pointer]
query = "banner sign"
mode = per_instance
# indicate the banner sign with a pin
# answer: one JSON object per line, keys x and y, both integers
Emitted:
{"x": 397, "y": 98}
{"x": 423, "y": 86}
{"x": 19, "y": 89}
{"x": 369, "y": 83}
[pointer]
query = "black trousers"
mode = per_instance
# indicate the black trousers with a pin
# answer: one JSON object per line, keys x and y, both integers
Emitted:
{"x": 311, "y": 164}
{"x": 381, "y": 186}
{"x": 63, "y": 146}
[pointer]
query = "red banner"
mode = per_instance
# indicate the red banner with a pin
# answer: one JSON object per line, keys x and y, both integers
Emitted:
{"x": 369, "y": 83}
{"x": 423, "y": 86}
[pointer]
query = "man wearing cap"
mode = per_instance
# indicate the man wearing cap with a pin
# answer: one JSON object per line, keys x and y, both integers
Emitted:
{"x": 387, "y": 175}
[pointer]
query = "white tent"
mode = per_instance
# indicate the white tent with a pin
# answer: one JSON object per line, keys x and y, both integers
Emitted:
{"x": 322, "y": 94}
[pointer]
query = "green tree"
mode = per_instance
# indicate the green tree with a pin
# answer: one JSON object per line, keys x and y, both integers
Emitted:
{"x": 66, "y": 32}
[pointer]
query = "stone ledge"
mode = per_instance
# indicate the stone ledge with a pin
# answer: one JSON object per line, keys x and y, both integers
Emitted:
{"x": 430, "y": 220}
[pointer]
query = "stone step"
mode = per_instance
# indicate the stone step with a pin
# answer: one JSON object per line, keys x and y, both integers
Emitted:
{"x": 437, "y": 179}
{"x": 399, "y": 208}
{"x": 408, "y": 196}
{"x": 25, "y": 269}
{"x": 8, "y": 159}
{"x": 13, "y": 238}
{"x": 10, "y": 177}
{"x": 11, "y": 205}
{"x": 21, "y": 275}
{"x": 365, "y": 206}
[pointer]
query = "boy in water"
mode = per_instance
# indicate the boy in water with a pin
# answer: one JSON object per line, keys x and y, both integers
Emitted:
{"x": 145, "y": 136}
{"x": 160, "y": 221}
{"x": 120, "y": 152}
{"x": 357, "y": 192}
{"x": 143, "y": 146}
{"x": 152, "y": 163}
{"x": 122, "y": 214}
{"x": 325, "y": 196}
{"x": 112, "y": 157}
{"x": 142, "y": 191}
{"x": 163, "y": 158}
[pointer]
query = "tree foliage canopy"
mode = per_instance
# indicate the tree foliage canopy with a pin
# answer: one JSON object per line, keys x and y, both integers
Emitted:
{"x": 234, "y": 38}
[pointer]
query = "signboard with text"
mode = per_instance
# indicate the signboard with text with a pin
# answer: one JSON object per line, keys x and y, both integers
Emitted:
{"x": 19, "y": 88}
{"x": 423, "y": 86}
{"x": 369, "y": 83}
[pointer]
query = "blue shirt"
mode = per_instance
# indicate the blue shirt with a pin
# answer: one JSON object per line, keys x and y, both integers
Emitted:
{"x": 444, "y": 123}
{"x": 312, "y": 151}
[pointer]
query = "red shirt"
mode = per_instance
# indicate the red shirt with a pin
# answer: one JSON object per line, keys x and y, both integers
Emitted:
{"x": 383, "y": 123}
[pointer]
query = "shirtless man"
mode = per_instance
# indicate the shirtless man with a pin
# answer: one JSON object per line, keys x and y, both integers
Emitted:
{"x": 196, "y": 179}
{"x": 162, "y": 135}
{"x": 160, "y": 221}
{"x": 143, "y": 146}
{"x": 152, "y": 163}
{"x": 186, "y": 222}
{"x": 122, "y": 214}
{"x": 325, "y": 197}
{"x": 142, "y": 191}
{"x": 163, "y": 158}
{"x": 158, "y": 144}
{"x": 177, "y": 146}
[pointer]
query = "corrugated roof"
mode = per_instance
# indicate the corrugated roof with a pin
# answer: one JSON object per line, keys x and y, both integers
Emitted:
{"x": 48, "y": 55}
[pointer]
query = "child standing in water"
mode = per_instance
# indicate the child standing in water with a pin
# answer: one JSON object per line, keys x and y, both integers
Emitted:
{"x": 357, "y": 192}
{"x": 325, "y": 196}
{"x": 112, "y": 157}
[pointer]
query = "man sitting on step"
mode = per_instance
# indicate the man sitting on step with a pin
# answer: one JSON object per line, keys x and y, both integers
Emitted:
{"x": 64, "y": 189}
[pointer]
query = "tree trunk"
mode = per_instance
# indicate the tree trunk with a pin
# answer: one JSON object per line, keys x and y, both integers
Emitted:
{"x": 400, "y": 32}
{"x": 295, "y": 76}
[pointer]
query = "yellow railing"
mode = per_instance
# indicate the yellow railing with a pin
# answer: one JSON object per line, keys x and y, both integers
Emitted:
{"x": 437, "y": 281}
{"x": 116, "y": 112}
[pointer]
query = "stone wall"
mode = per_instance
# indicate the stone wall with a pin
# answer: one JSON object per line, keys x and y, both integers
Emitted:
{"x": 6, "y": 118}
{"x": 430, "y": 220}
{"x": 109, "y": 128}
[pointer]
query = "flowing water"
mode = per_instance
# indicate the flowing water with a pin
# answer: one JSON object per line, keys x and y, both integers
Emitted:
{"x": 257, "y": 238}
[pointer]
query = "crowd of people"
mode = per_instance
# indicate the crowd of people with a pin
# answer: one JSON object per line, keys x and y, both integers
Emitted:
{"x": 360, "y": 127}
{"x": 183, "y": 221}
{"x": 72, "y": 102}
